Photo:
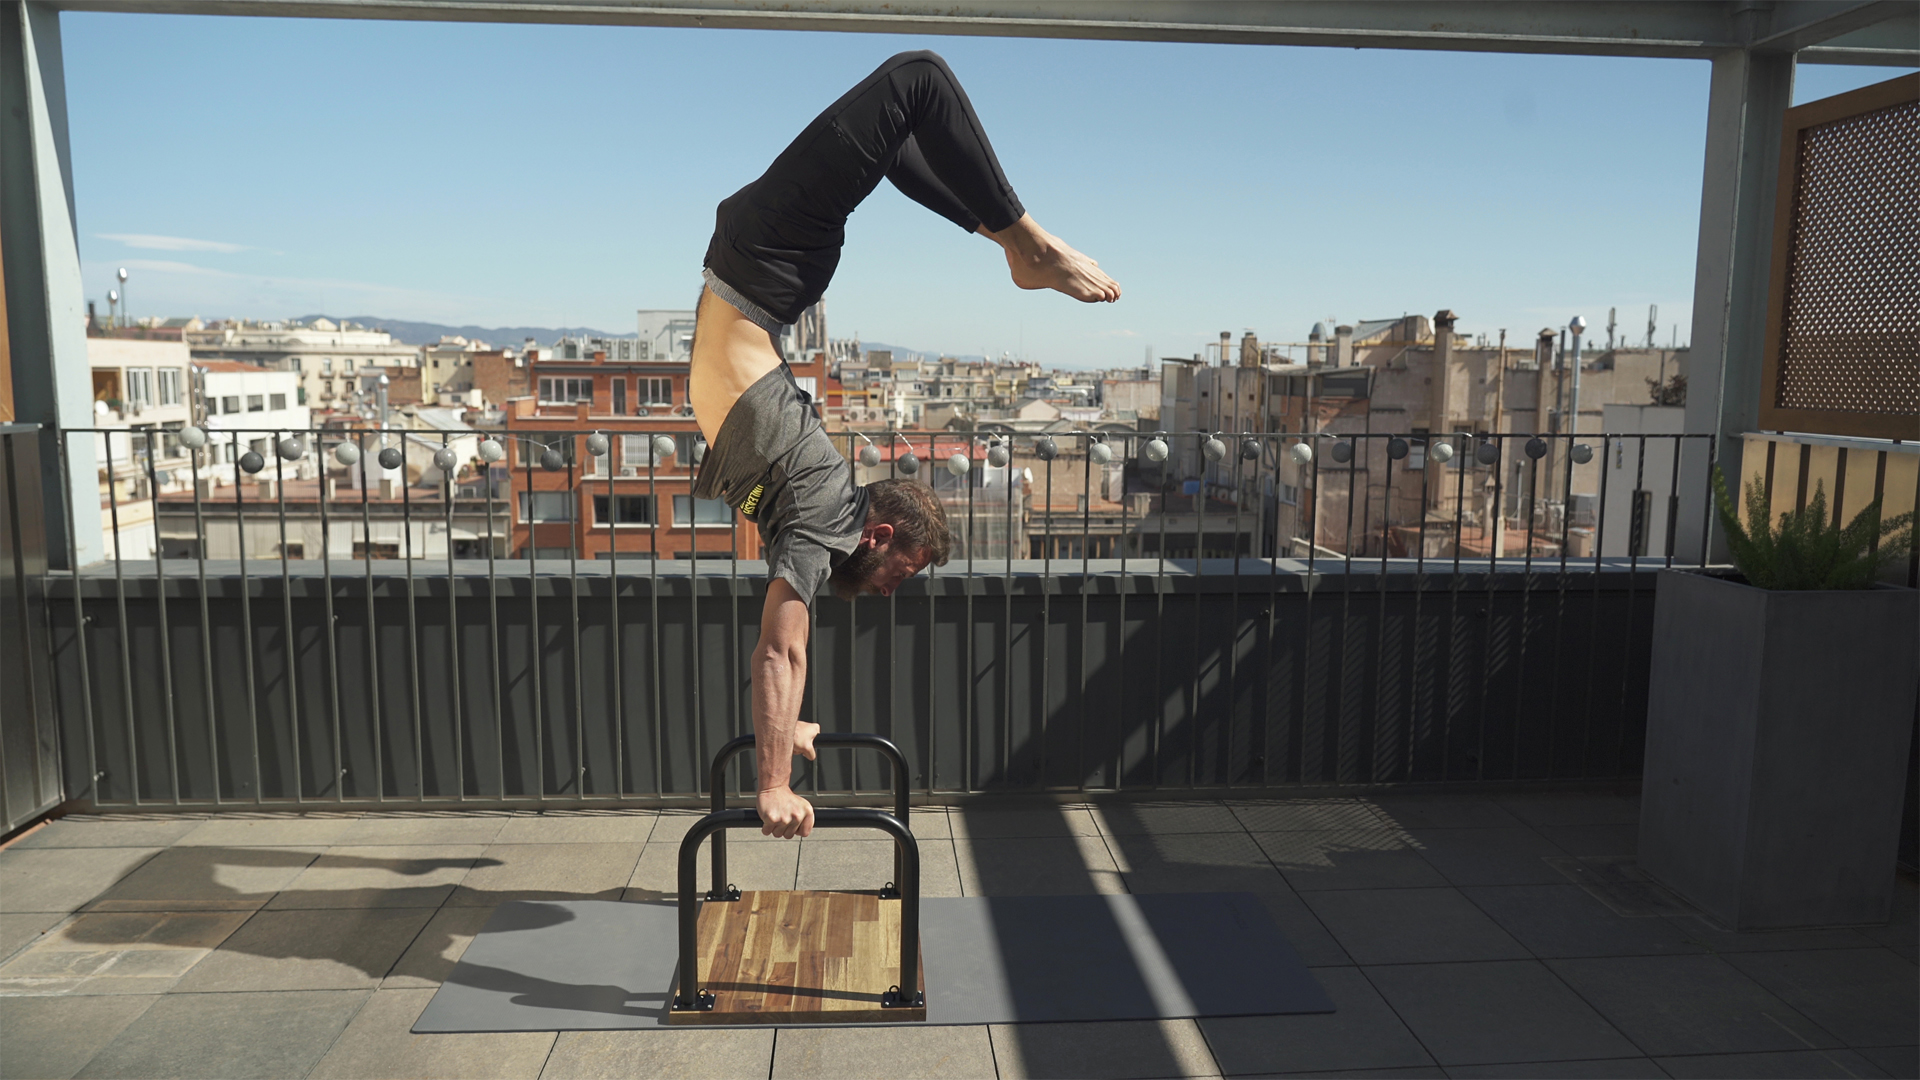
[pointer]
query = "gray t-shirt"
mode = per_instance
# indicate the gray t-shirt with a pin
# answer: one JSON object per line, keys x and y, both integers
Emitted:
{"x": 774, "y": 464}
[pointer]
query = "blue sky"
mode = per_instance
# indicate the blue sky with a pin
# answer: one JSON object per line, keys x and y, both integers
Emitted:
{"x": 526, "y": 175}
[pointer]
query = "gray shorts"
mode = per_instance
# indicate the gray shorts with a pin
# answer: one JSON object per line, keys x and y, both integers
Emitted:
{"x": 755, "y": 314}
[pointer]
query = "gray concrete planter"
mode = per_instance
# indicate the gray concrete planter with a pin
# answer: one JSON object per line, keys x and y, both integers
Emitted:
{"x": 1777, "y": 734}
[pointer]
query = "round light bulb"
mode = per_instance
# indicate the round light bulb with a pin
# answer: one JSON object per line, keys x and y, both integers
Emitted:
{"x": 193, "y": 438}
{"x": 291, "y": 449}
{"x": 958, "y": 464}
{"x": 347, "y": 453}
{"x": 1582, "y": 453}
{"x": 1442, "y": 452}
{"x": 1155, "y": 450}
{"x": 445, "y": 459}
{"x": 491, "y": 450}
{"x": 1301, "y": 453}
{"x": 392, "y": 458}
{"x": 1100, "y": 452}
{"x": 1214, "y": 449}
{"x": 598, "y": 445}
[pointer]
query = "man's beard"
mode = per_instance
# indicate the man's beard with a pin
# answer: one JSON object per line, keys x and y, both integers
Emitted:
{"x": 854, "y": 575}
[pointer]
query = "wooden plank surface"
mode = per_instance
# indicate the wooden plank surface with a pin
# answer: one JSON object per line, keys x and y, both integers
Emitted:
{"x": 800, "y": 958}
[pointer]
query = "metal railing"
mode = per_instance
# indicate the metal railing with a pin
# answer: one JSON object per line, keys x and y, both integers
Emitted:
{"x": 1314, "y": 649}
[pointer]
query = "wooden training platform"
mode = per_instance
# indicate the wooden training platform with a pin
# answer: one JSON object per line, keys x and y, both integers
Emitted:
{"x": 800, "y": 957}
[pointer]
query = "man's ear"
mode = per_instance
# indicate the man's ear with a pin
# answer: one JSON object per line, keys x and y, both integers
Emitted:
{"x": 880, "y": 532}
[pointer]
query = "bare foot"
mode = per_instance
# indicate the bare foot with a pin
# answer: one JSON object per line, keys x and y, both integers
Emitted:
{"x": 1041, "y": 260}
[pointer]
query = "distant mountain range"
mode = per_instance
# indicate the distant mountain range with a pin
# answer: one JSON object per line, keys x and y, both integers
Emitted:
{"x": 426, "y": 333}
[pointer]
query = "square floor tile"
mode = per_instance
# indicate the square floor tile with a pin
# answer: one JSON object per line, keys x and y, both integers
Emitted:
{"x": 402, "y": 875}
{"x": 121, "y": 953}
{"x": 335, "y": 949}
{"x": 1865, "y": 997}
{"x": 928, "y": 824}
{"x": 1571, "y": 808}
{"x": 22, "y": 929}
{"x": 1303, "y": 929}
{"x": 1348, "y": 859}
{"x": 207, "y": 878}
{"x": 109, "y": 830}
{"x": 1513, "y": 856}
{"x": 431, "y": 956}
{"x": 1622, "y": 841}
{"x": 1441, "y": 812}
{"x": 1307, "y": 815}
{"x": 63, "y": 879}
{"x": 1114, "y": 1049}
{"x": 976, "y": 823}
{"x": 1566, "y": 920}
{"x": 289, "y": 830}
{"x": 232, "y": 1036}
{"x": 435, "y": 827}
{"x": 1363, "y": 1033}
{"x": 378, "y": 1042}
{"x": 1901, "y": 1061}
{"x": 771, "y": 865}
{"x": 1037, "y": 866}
{"x": 1689, "y": 1005}
{"x": 959, "y": 1053}
{"x": 1787, "y": 1065}
{"x": 868, "y": 864}
{"x": 1120, "y": 818}
{"x": 1703, "y": 931}
{"x": 1610, "y": 1069}
{"x": 691, "y": 1054}
{"x": 54, "y": 1037}
{"x": 547, "y": 872}
{"x": 579, "y": 827}
{"x": 1412, "y": 926}
{"x": 1509, "y": 1011}
{"x": 1194, "y": 862}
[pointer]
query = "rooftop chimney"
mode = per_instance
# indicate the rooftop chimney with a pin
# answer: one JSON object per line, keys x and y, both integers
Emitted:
{"x": 1343, "y": 346}
{"x": 1226, "y": 343}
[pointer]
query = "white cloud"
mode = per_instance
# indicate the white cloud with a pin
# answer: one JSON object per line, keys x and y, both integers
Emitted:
{"x": 149, "y": 242}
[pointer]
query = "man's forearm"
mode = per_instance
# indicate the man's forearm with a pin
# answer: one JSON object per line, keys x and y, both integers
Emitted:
{"x": 779, "y": 678}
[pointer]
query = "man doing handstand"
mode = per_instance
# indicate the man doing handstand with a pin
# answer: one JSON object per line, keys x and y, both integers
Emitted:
{"x": 774, "y": 249}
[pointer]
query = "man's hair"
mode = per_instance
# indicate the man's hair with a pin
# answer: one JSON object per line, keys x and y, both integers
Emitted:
{"x": 919, "y": 521}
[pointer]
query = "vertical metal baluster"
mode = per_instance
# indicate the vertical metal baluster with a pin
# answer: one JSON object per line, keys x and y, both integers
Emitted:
{"x": 1593, "y": 635}
{"x": 1086, "y": 563}
{"x": 80, "y": 613}
{"x": 1306, "y": 638}
{"x": 1676, "y": 442}
{"x": 1124, "y": 584}
{"x": 1337, "y": 679}
{"x": 733, "y": 629}
{"x": 616, "y": 636}
{"x": 458, "y": 713}
{"x": 160, "y": 607}
{"x": 969, "y": 781}
{"x": 1526, "y": 610}
{"x": 933, "y": 740}
{"x": 1233, "y": 633}
{"x": 700, "y": 748}
{"x": 653, "y": 626}
{"x": 1156, "y": 731}
{"x": 1192, "y": 724}
{"x": 1453, "y": 591}
{"x": 1046, "y": 633}
{"x": 1273, "y": 602}
{"x": 1633, "y": 597}
{"x": 246, "y": 618}
{"x": 574, "y": 481}
{"x": 1706, "y": 514}
{"x": 413, "y": 626}
{"x": 1006, "y": 658}
{"x": 1378, "y": 768}
{"x": 533, "y": 625}
{"x": 373, "y": 626}
{"x": 493, "y": 649}
{"x": 1491, "y": 531}
{"x": 286, "y": 616}
{"x": 323, "y": 497}
{"x": 1560, "y": 617}
{"x": 120, "y": 600}
{"x": 1419, "y": 598}
{"x": 206, "y": 628}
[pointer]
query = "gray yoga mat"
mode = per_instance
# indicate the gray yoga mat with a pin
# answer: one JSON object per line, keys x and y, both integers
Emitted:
{"x": 590, "y": 965}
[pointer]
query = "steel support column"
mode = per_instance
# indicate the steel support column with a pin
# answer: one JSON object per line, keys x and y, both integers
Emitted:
{"x": 46, "y": 309}
{"x": 1746, "y": 108}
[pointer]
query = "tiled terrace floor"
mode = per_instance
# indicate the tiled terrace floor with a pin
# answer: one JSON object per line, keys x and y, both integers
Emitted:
{"x": 305, "y": 946}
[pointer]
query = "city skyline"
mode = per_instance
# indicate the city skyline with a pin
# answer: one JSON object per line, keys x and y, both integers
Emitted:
{"x": 566, "y": 176}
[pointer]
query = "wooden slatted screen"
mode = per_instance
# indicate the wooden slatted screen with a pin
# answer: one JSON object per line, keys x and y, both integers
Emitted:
{"x": 1843, "y": 304}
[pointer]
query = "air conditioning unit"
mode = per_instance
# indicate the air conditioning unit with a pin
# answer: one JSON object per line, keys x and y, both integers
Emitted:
{"x": 629, "y": 470}
{"x": 641, "y": 411}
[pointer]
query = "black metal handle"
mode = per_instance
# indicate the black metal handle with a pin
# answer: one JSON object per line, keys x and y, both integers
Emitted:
{"x": 691, "y": 998}
{"x": 720, "y": 888}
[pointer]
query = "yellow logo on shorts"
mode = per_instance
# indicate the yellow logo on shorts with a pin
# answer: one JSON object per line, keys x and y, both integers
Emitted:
{"x": 752, "y": 502}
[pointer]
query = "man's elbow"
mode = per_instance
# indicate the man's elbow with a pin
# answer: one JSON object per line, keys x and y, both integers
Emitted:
{"x": 780, "y": 655}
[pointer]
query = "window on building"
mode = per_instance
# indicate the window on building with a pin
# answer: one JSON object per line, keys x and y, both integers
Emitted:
{"x": 565, "y": 391}
{"x": 230, "y": 403}
{"x": 171, "y": 380}
{"x": 256, "y": 402}
{"x": 811, "y": 384}
{"x": 636, "y": 452}
{"x": 692, "y": 450}
{"x": 630, "y": 510}
{"x": 139, "y": 386}
{"x": 688, "y": 510}
{"x": 326, "y": 366}
{"x": 656, "y": 392}
{"x": 527, "y": 450}
{"x": 280, "y": 400}
{"x": 546, "y": 506}
{"x": 296, "y": 364}
{"x": 346, "y": 365}
{"x": 619, "y": 396}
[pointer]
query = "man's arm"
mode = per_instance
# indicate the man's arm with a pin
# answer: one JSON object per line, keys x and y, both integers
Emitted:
{"x": 779, "y": 682}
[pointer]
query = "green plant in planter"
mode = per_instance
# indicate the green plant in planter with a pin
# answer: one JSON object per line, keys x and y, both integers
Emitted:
{"x": 1808, "y": 549}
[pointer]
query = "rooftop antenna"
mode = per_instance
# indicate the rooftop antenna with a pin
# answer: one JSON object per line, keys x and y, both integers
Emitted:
{"x": 1610, "y": 325}
{"x": 1653, "y": 322}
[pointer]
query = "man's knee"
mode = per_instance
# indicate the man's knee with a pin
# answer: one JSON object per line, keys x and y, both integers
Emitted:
{"x": 916, "y": 57}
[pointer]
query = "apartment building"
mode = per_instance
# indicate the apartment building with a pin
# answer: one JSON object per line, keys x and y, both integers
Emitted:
{"x": 327, "y": 356}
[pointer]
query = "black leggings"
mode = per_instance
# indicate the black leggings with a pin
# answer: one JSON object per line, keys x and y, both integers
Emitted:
{"x": 777, "y": 240}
